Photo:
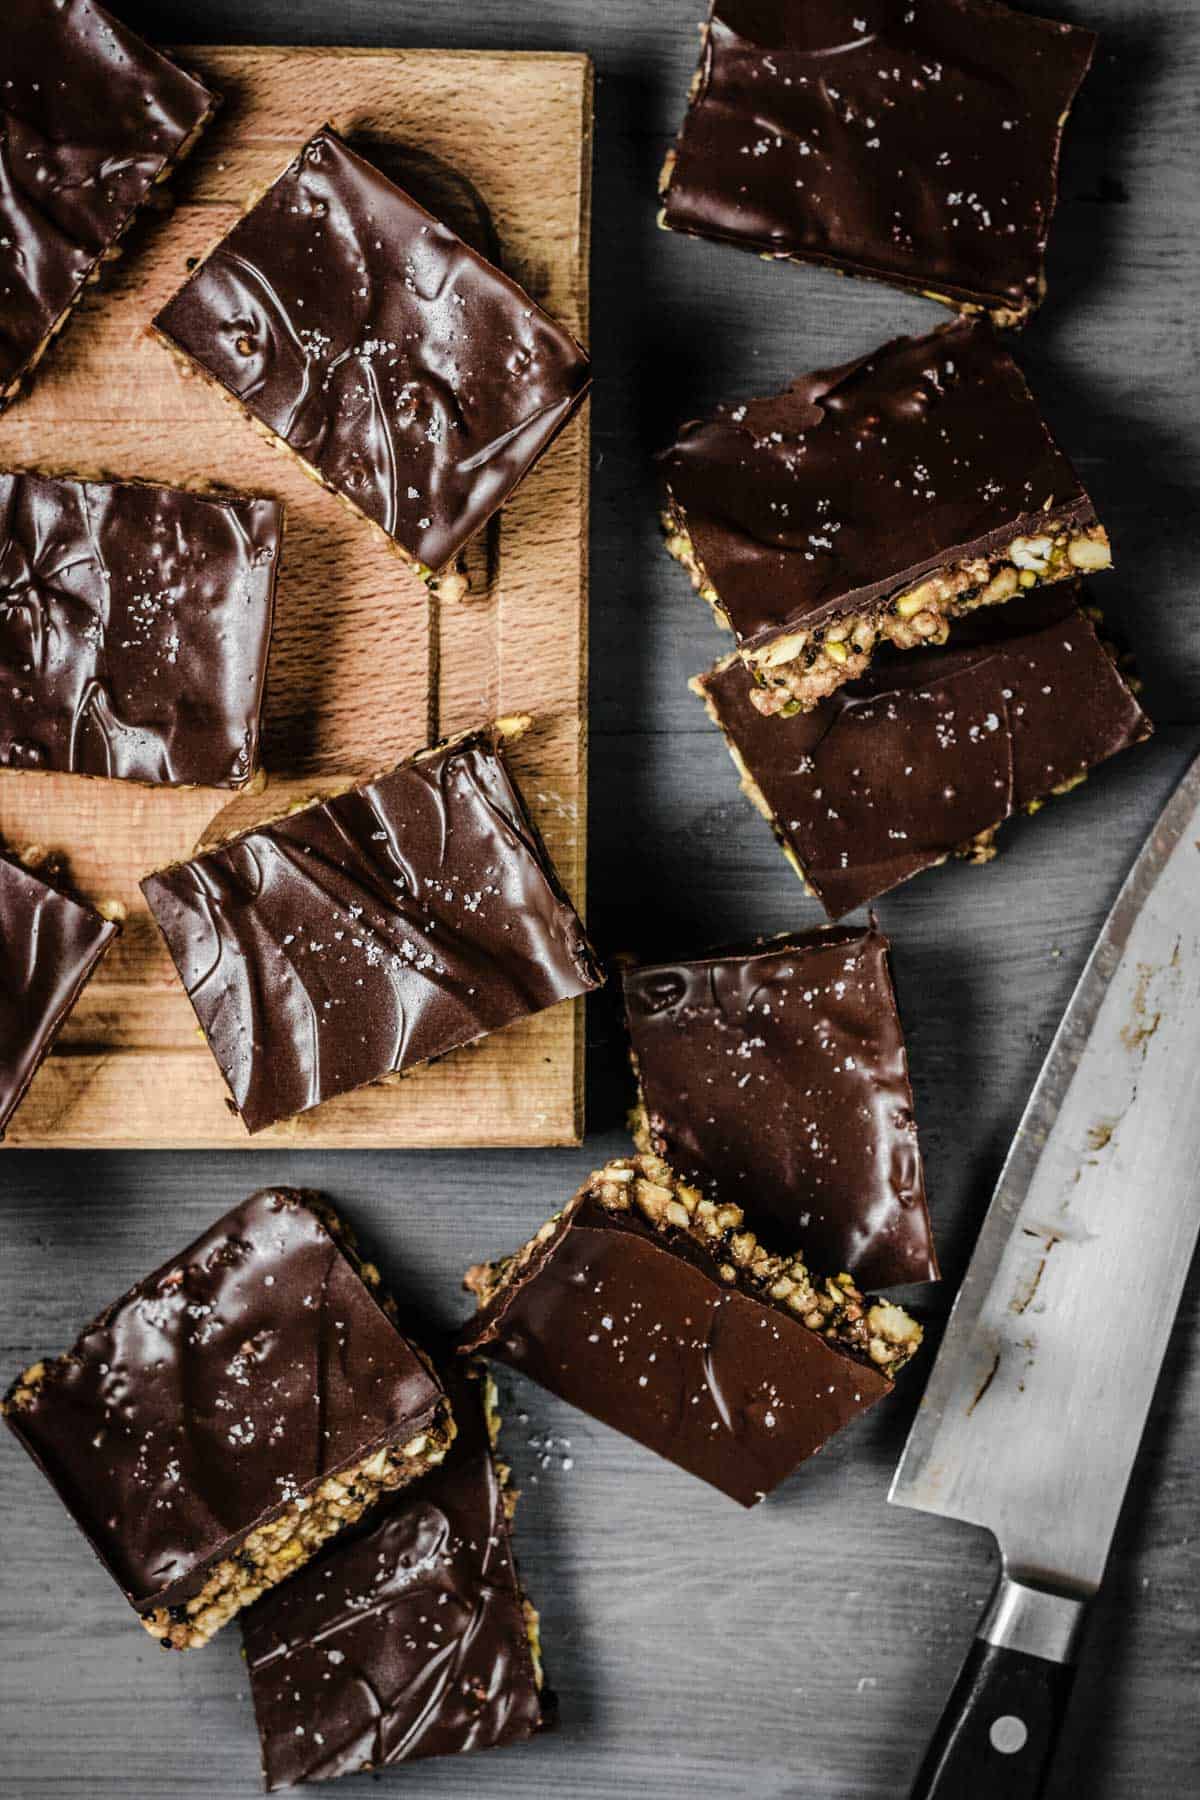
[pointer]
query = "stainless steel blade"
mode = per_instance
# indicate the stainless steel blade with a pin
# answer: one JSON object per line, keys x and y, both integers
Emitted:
{"x": 1037, "y": 1400}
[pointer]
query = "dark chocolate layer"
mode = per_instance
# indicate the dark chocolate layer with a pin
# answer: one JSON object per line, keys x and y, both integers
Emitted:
{"x": 776, "y": 1077}
{"x": 228, "y": 1383}
{"x": 897, "y": 771}
{"x": 408, "y": 1638}
{"x": 856, "y": 481}
{"x": 915, "y": 141}
{"x": 371, "y": 932}
{"x": 49, "y": 948}
{"x": 417, "y": 380}
{"x": 90, "y": 117}
{"x": 134, "y": 628}
{"x": 645, "y": 1336}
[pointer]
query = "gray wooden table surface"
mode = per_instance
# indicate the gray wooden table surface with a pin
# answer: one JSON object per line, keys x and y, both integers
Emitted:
{"x": 700, "y": 1653}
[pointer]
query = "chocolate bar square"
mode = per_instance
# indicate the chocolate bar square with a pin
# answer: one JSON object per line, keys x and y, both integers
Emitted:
{"x": 926, "y": 756}
{"x": 371, "y": 931}
{"x": 912, "y": 141}
{"x": 405, "y": 371}
{"x": 775, "y": 1075}
{"x": 412, "y": 1636}
{"x": 135, "y": 623}
{"x": 249, "y": 1399}
{"x": 872, "y": 504}
{"x": 91, "y": 119}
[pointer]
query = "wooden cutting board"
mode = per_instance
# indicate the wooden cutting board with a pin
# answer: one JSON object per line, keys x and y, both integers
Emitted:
{"x": 364, "y": 667}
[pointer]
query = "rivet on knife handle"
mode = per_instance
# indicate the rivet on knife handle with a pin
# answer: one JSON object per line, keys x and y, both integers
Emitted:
{"x": 997, "y": 1736}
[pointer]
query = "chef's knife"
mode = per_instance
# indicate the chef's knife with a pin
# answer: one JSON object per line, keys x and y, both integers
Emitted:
{"x": 1035, "y": 1407}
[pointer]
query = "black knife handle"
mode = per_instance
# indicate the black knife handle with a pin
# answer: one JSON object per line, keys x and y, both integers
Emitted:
{"x": 997, "y": 1736}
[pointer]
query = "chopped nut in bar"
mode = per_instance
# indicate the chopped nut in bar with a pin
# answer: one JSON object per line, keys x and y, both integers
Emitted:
{"x": 872, "y": 504}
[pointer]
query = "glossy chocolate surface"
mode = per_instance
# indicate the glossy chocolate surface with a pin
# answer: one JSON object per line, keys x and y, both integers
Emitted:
{"x": 231, "y": 1381}
{"x": 775, "y": 1077}
{"x": 915, "y": 141}
{"x": 371, "y": 932}
{"x": 414, "y": 377}
{"x": 405, "y": 1639}
{"x": 643, "y": 1334}
{"x": 856, "y": 481}
{"x": 49, "y": 948}
{"x": 895, "y": 772}
{"x": 134, "y": 628}
{"x": 90, "y": 116}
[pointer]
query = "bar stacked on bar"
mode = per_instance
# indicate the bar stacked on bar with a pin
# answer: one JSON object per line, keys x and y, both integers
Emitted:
{"x": 242, "y": 1404}
{"x": 925, "y": 757}
{"x": 369, "y": 932}
{"x": 916, "y": 144}
{"x": 135, "y": 623}
{"x": 405, "y": 371}
{"x": 775, "y": 1076}
{"x": 50, "y": 945}
{"x": 412, "y": 1636}
{"x": 652, "y": 1308}
{"x": 872, "y": 504}
{"x": 91, "y": 118}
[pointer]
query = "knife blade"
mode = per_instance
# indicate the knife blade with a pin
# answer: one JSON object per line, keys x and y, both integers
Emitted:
{"x": 1032, "y": 1417}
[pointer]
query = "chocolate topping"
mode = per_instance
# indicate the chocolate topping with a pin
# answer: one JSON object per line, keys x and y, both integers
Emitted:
{"x": 899, "y": 770}
{"x": 371, "y": 932}
{"x": 49, "y": 948}
{"x": 225, "y": 1385}
{"x": 645, "y": 1336}
{"x": 90, "y": 117}
{"x": 409, "y": 373}
{"x": 856, "y": 481}
{"x": 775, "y": 1077}
{"x": 134, "y": 627}
{"x": 407, "y": 1639}
{"x": 916, "y": 143}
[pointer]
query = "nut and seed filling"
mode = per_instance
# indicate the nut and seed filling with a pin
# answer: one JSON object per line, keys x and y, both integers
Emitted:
{"x": 485, "y": 1280}
{"x": 24, "y": 1391}
{"x": 509, "y": 1497}
{"x": 278, "y": 1548}
{"x": 750, "y": 787}
{"x": 834, "y": 1307}
{"x": 1004, "y": 318}
{"x": 639, "y": 1127}
{"x": 799, "y": 669}
{"x": 680, "y": 546}
{"x": 645, "y": 1185}
{"x": 533, "y": 1631}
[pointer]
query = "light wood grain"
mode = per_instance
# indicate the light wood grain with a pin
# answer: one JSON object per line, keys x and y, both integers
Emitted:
{"x": 364, "y": 666}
